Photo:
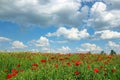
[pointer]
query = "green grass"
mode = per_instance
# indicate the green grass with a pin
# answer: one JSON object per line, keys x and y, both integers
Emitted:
{"x": 59, "y": 66}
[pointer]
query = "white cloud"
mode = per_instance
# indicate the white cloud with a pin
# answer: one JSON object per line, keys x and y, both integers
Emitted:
{"x": 34, "y": 50}
{"x": 113, "y": 46}
{"x": 64, "y": 49}
{"x": 42, "y": 12}
{"x": 104, "y": 18}
{"x": 98, "y": 7}
{"x": 71, "y": 34}
{"x": 59, "y": 41}
{"x": 108, "y": 34}
{"x": 4, "y": 39}
{"x": 62, "y": 42}
{"x": 18, "y": 44}
{"x": 45, "y": 49}
{"x": 41, "y": 42}
{"x": 60, "y": 12}
{"x": 89, "y": 47}
{"x": 114, "y": 4}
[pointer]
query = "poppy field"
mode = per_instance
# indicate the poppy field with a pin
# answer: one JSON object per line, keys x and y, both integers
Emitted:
{"x": 49, "y": 66}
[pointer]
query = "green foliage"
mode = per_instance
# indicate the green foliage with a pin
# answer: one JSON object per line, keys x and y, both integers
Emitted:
{"x": 59, "y": 66}
{"x": 112, "y": 52}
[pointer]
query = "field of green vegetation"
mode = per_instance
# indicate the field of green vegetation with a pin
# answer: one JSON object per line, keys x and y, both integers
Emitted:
{"x": 48, "y": 66}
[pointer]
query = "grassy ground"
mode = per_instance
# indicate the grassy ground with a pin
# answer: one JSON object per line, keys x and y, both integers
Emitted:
{"x": 46, "y": 66}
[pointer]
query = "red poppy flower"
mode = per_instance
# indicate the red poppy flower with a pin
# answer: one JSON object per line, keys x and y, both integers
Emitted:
{"x": 72, "y": 61}
{"x": 14, "y": 71}
{"x": 61, "y": 59}
{"x": 14, "y": 74}
{"x": 43, "y": 61}
{"x": 88, "y": 67}
{"x": 77, "y": 73}
{"x": 110, "y": 56}
{"x": 113, "y": 70}
{"x": 56, "y": 65}
{"x": 18, "y": 65}
{"x": 9, "y": 76}
{"x": 35, "y": 64}
{"x": 68, "y": 64}
{"x": 101, "y": 67}
{"x": 77, "y": 63}
{"x": 96, "y": 70}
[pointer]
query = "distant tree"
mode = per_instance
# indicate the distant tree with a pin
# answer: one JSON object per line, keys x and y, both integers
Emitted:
{"x": 88, "y": 52}
{"x": 112, "y": 52}
{"x": 102, "y": 52}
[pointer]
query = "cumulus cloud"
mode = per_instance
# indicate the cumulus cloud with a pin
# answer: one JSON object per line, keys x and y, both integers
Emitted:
{"x": 71, "y": 34}
{"x": 60, "y": 12}
{"x": 64, "y": 49}
{"x": 89, "y": 47}
{"x": 41, "y": 42}
{"x": 42, "y": 12}
{"x": 113, "y": 44}
{"x": 34, "y": 50}
{"x": 103, "y": 17}
{"x": 18, "y": 44}
{"x": 4, "y": 39}
{"x": 59, "y": 41}
{"x": 99, "y": 7}
{"x": 46, "y": 49}
{"x": 114, "y": 4}
{"x": 108, "y": 34}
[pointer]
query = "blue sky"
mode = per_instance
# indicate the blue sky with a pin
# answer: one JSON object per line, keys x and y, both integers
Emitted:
{"x": 60, "y": 26}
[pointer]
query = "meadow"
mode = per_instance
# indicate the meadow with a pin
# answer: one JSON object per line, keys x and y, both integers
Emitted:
{"x": 56, "y": 66}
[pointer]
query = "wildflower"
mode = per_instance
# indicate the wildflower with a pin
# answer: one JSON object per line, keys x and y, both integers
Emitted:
{"x": 72, "y": 61}
{"x": 9, "y": 76}
{"x": 56, "y": 65}
{"x": 61, "y": 59}
{"x": 105, "y": 62}
{"x": 43, "y": 61}
{"x": 14, "y": 71}
{"x": 14, "y": 74}
{"x": 18, "y": 65}
{"x": 88, "y": 67}
{"x": 35, "y": 64}
{"x": 68, "y": 64}
{"x": 110, "y": 56}
{"x": 96, "y": 70}
{"x": 77, "y": 73}
{"x": 101, "y": 67}
{"x": 77, "y": 63}
{"x": 113, "y": 70}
